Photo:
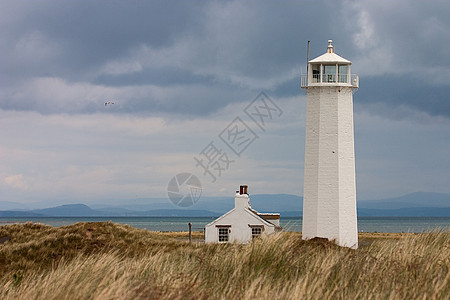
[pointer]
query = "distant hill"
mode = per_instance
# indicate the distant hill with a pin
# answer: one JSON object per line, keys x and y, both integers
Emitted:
{"x": 18, "y": 213}
{"x": 406, "y": 212}
{"x": 419, "y": 199}
{"x": 415, "y": 204}
{"x": 8, "y": 205}
{"x": 69, "y": 210}
{"x": 180, "y": 213}
{"x": 217, "y": 205}
{"x": 276, "y": 202}
{"x": 82, "y": 210}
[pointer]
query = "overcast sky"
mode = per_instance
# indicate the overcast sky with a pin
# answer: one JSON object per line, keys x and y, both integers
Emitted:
{"x": 182, "y": 73}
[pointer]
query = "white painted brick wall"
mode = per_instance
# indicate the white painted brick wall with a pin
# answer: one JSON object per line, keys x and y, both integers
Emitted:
{"x": 329, "y": 205}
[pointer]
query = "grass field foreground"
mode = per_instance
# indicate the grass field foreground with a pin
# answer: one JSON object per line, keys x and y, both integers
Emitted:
{"x": 113, "y": 261}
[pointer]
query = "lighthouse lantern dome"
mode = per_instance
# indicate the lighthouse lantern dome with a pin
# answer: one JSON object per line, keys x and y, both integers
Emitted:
{"x": 329, "y": 69}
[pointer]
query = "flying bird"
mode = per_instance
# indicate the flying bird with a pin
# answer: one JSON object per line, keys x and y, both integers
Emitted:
{"x": 109, "y": 102}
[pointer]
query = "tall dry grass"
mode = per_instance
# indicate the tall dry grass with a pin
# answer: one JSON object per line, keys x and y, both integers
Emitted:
{"x": 137, "y": 264}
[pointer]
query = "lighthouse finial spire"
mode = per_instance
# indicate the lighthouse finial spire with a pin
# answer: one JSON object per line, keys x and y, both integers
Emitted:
{"x": 330, "y": 46}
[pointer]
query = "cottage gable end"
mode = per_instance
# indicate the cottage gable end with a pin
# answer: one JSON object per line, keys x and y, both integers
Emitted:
{"x": 240, "y": 224}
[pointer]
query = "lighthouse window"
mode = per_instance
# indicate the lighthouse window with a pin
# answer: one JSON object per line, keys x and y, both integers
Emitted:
{"x": 223, "y": 234}
{"x": 316, "y": 73}
{"x": 329, "y": 73}
{"x": 343, "y": 73}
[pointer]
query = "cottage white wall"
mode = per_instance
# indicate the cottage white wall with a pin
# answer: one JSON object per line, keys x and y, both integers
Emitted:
{"x": 241, "y": 201}
{"x": 275, "y": 222}
{"x": 211, "y": 234}
{"x": 239, "y": 219}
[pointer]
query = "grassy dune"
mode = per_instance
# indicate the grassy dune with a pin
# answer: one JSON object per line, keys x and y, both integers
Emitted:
{"x": 113, "y": 261}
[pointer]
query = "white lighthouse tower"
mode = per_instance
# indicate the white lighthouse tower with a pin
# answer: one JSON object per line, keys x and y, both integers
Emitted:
{"x": 329, "y": 195}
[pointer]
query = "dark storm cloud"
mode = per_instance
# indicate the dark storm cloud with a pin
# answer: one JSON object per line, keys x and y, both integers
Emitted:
{"x": 157, "y": 54}
{"x": 180, "y": 71}
{"x": 167, "y": 76}
{"x": 408, "y": 38}
{"x": 86, "y": 34}
{"x": 418, "y": 31}
{"x": 397, "y": 91}
{"x": 402, "y": 55}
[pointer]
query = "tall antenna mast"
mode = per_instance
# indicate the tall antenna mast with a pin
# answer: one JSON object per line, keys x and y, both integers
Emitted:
{"x": 307, "y": 65}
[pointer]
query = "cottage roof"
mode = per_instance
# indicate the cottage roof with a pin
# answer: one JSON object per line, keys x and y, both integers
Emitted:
{"x": 266, "y": 216}
{"x": 250, "y": 211}
{"x": 242, "y": 203}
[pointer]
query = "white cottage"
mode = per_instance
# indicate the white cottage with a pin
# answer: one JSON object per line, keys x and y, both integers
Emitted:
{"x": 242, "y": 223}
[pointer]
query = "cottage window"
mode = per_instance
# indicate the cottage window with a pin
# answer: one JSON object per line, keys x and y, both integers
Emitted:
{"x": 256, "y": 231}
{"x": 223, "y": 234}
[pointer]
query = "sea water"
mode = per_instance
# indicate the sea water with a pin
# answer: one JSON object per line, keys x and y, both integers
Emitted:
{"x": 365, "y": 224}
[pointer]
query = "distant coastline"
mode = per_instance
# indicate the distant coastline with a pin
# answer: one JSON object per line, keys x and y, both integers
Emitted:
{"x": 293, "y": 224}
{"x": 418, "y": 204}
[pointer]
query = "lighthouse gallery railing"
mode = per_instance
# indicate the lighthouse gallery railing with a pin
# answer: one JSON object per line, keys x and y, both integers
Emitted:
{"x": 317, "y": 79}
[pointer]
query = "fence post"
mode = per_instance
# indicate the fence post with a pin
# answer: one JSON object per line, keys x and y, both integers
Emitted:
{"x": 190, "y": 232}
